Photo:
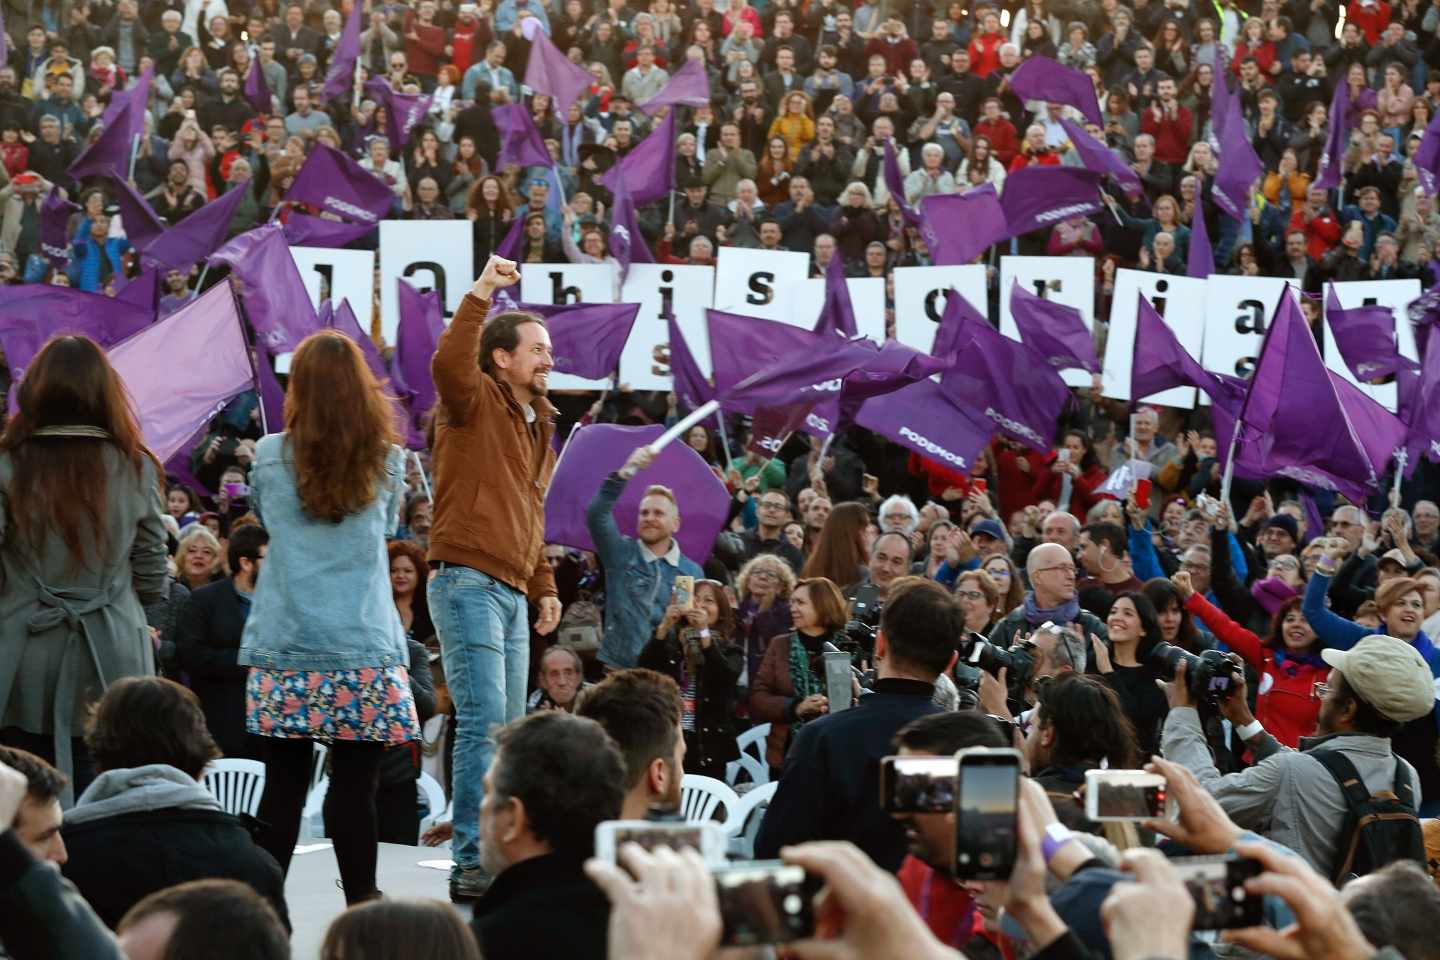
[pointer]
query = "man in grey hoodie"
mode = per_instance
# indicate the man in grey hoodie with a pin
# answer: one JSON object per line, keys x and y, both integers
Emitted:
{"x": 146, "y": 822}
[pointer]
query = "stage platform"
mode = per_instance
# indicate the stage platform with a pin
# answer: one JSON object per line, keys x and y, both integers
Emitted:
{"x": 313, "y": 892}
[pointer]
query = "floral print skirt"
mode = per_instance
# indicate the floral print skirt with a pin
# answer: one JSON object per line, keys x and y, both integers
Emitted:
{"x": 366, "y": 704}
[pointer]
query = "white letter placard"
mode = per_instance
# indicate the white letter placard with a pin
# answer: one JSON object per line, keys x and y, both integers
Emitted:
{"x": 559, "y": 284}
{"x": 867, "y": 296}
{"x": 1395, "y": 294}
{"x": 1237, "y": 314}
{"x": 1180, "y": 301}
{"x": 431, "y": 255}
{"x": 920, "y": 299}
{"x": 685, "y": 290}
{"x": 1067, "y": 280}
{"x": 759, "y": 283}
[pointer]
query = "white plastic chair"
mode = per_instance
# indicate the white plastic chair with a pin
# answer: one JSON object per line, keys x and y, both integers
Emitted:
{"x": 312, "y": 818}
{"x": 700, "y": 797}
{"x": 752, "y": 757}
{"x": 237, "y": 784}
{"x": 433, "y": 795}
{"x": 744, "y": 823}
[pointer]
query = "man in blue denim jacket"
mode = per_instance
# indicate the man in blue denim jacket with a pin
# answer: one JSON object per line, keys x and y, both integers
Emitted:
{"x": 640, "y": 571}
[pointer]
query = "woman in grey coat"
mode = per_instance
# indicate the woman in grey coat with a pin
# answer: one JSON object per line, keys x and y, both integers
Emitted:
{"x": 82, "y": 546}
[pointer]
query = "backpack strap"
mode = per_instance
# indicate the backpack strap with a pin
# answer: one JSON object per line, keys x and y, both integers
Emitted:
{"x": 1348, "y": 778}
{"x": 1404, "y": 788}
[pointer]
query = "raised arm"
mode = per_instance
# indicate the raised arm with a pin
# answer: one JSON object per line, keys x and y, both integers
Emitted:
{"x": 456, "y": 364}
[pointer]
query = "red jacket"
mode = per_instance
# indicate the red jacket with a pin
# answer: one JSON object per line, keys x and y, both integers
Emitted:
{"x": 938, "y": 477}
{"x": 1172, "y": 134}
{"x": 1015, "y": 487}
{"x": 1264, "y": 56}
{"x": 1082, "y": 491}
{"x": 1004, "y": 141}
{"x": 985, "y": 53}
{"x": 1283, "y": 702}
{"x": 1372, "y": 19}
{"x": 1321, "y": 233}
{"x": 942, "y": 903}
{"x": 1023, "y": 160}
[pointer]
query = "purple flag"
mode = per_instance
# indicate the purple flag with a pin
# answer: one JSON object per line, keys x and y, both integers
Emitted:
{"x": 142, "y": 225}
{"x": 1427, "y": 157}
{"x": 1038, "y": 198}
{"x": 596, "y": 450}
{"x": 269, "y": 392}
{"x": 1041, "y": 78}
{"x": 276, "y": 302}
{"x": 627, "y": 245}
{"x": 333, "y": 184}
{"x": 257, "y": 91}
{"x": 550, "y": 72}
{"x": 957, "y": 227}
{"x": 922, "y": 418}
{"x": 999, "y": 380}
{"x": 1421, "y": 395}
{"x": 895, "y": 184}
{"x": 1100, "y": 158}
{"x": 739, "y": 345}
{"x": 55, "y": 213}
{"x": 1200, "y": 258}
{"x": 510, "y": 247}
{"x": 32, "y": 313}
{"x": 109, "y": 155}
{"x": 520, "y": 140}
{"x": 1381, "y": 434}
{"x": 1332, "y": 158}
{"x": 1056, "y": 331}
{"x": 1240, "y": 167}
{"x": 689, "y": 384}
{"x": 135, "y": 100}
{"x": 587, "y": 338}
{"x": 1314, "y": 522}
{"x": 1290, "y": 394}
{"x": 403, "y": 111}
{"x": 199, "y": 234}
{"x": 837, "y": 315}
{"x": 687, "y": 87}
{"x": 201, "y": 349}
{"x": 1365, "y": 337}
{"x": 141, "y": 290}
{"x": 1160, "y": 362}
{"x": 342, "y": 319}
{"x": 416, "y": 338}
{"x": 649, "y": 169}
{"x": 340, "y": 77}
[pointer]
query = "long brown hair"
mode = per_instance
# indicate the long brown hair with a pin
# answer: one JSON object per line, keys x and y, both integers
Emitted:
{"x": 56, "y": 485}
{"x": 341, "y": 426}
{"x": 839, "y": 554}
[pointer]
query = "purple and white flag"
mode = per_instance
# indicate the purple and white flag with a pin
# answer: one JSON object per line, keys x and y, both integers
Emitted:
{"x": 334, "y": 184}
{"x": 1040, "y": 78}
{"x": 1054, "y": 330}
{"x": 276, "y": 302}
{"x": 920, "y": 417}
{"x": 403, "y": 111}
{"x": 1038, "y": 198}
{"x": 55, "y": 213}
{"x": 198, "y": 235}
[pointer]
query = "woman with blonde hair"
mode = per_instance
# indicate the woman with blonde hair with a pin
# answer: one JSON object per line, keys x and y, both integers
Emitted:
{"x": 324, "y": 640}
{"x": 198, "y": 559}
{"x": 763, "y": 588}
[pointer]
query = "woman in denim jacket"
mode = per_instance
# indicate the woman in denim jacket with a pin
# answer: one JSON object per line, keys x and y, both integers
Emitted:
{"x": 323, "y": 640}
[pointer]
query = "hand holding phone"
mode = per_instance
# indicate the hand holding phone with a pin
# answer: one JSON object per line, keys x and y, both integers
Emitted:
{"x": 684, "y": 597}
{"x": 764, "y": 902}
{"x": 1127, "y": 795}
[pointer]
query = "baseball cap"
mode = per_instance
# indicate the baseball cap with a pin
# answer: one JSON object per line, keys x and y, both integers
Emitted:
{"x": 991, "y": 528}
{"x": 1388, "y": 674}
{"x": 1394, "y": 555}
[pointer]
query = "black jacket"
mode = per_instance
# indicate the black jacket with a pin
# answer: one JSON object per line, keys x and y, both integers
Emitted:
{"x": 118, "y": 861}
{"x": 207, "y": 646}
{"x": 517, "y": 917}
{"x": 43, "y": 917}
{"x": 754, "y": 546}
{"x": 714, "y": 697}
{"x": 830, "y": 785}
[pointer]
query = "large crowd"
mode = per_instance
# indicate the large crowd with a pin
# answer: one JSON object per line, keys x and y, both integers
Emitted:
{"x": 1263, "y": 646}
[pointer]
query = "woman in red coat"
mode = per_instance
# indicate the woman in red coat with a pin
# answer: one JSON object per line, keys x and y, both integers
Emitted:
{"x": 1288, "y": 662}
{"x": 1080, "y": 465}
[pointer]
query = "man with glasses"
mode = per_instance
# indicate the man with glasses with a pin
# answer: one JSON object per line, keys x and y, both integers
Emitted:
{"x": 1052, "y": 597}
{"x": 773, "y": 512}
{"x": 640, "y": 571}
{"x": 1356, "y": 579}
{"x": 1294, "y": 797}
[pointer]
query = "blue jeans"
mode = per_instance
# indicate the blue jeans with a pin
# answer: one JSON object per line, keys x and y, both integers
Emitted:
{"x": 485, "y": 645}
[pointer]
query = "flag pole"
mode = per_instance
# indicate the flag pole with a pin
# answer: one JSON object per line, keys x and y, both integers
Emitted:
{"x": 134, "y": 154}
{"x": 1229, "y": 473}
{"x": 199, "y": 284}
{"x": 1402, "y": 457}
{"x": 685, "y": 423}
{"x": 724, "y": 440}
{"x": 424, "y": 481}
{"x": 253, "y": 353}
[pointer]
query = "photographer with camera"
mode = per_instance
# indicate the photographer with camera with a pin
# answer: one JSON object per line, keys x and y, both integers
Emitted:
{"x": 1051, "y": 598}
{"x": 1295, "y": 797}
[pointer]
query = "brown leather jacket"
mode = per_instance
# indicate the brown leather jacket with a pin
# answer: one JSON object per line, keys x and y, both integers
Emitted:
{"x": 492, "y": 467}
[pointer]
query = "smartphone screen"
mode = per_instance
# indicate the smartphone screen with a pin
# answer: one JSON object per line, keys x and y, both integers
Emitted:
{"x": 986, "y": 805}
{"x": 765, "y": 902}
{"x": 917, "y": 784}
{"x": 1217, "y": 885}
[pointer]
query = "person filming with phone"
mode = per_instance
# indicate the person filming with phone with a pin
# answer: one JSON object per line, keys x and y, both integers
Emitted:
{"x": 640, "y": 571}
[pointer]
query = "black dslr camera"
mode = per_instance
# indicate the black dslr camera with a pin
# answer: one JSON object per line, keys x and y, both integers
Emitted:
{"x": 1019, "y": 661}
{"x": 1210, "y": 675}
{"x": 859, "y": 632}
